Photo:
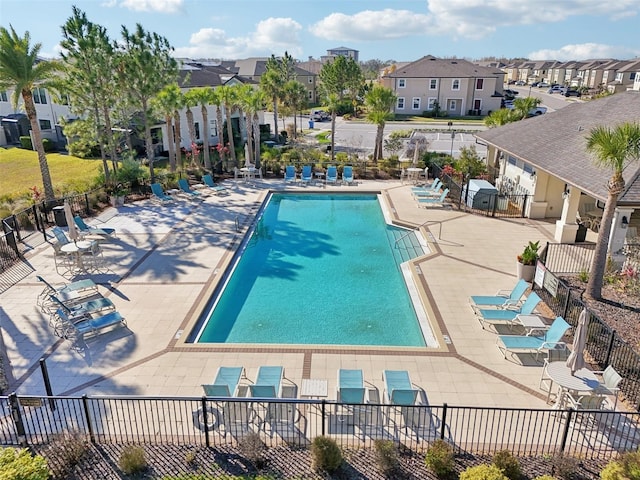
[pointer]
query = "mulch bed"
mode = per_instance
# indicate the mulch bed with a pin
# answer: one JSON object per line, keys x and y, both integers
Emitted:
{"x": 101, "y": 463}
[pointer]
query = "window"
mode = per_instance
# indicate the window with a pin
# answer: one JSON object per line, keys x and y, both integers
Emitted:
{"x": 433, "y": 84}
{"x": 213, "y": 127}
{"x": 527, "y": 168}
{"x": 479, "y": 83}
{"x": 512, "y": 160}
{"x": 400, "y": 104}
{"x": 310, "y": 94}
{"x": 45, "y": 124}
{"x": 64, "y": 99}
{"x": 431, "y": 104}
{"x": 402, "y": 83}
{"x": 196, "y": 127}
{"x": 310, "y": 79}
{"x": 455, "y": 85}
{"x": 3, "y": 96}
{"x": 40, "y": 96}
{"x": 415, "y": 103}
{"x": 453, "y": 105}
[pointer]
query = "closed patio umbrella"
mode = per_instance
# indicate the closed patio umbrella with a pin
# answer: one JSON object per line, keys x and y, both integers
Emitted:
{"x": 68, "y": 215}
{"x": 576, "y": 360}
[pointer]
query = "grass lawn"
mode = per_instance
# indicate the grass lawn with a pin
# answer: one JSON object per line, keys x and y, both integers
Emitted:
{"x": 19, "y": 170}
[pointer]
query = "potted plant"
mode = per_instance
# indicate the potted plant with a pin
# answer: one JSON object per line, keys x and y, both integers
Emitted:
{"x": 526, "y": 265}
{"x": 117, "y": 195}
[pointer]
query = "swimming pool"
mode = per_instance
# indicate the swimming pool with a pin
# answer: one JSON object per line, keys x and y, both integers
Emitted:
{"x": 317, "y": 269}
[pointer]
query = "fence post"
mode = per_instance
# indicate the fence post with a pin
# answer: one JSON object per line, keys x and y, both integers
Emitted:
{"x": 85, "y": 404}
{"x": 206, "y": 421}
{"x": 323, "y": 410}
{"x": 444, "y": 421}
{"x": 17, "y": 419}
{"x": 565, "y": 308}
{"x": 47, "y": 384}
{"x": 524, "y": 205}
{"x": 86, "y": 201}
{"x": 565, "y": 431}
{"x": 610, "y": 348}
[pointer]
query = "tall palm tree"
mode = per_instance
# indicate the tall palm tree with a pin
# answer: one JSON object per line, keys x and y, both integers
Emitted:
{"x": 218, "y": 101}
{"x": 21, "y": 71}
{"x": 166, "y": 102}
{"x": 252, "y": 102}
{"x": 228, "y": 95}
{"x": 204, "y": 97}
{"x": 190, "y": 100}
{"x": 613, "y": 147}
{"x": 522, "y": 107}
{"x": 295, "y": 99}
{"x": 178, "y": 127}
{"x": 498, "y": 118}
{"x": 380, "y": 101}
{"x": 271, "y": 85}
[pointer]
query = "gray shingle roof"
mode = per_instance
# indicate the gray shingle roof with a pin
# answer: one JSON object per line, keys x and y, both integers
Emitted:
{"x": 556, "y": 143}
{"x": 432, "y": 67}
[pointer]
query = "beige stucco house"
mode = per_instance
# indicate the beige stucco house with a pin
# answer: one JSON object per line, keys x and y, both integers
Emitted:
{"x": 457, "y": 86}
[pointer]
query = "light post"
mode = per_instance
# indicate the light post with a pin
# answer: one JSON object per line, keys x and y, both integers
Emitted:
{"x": 530, "y": 89}
{"x": 453, "y": 136}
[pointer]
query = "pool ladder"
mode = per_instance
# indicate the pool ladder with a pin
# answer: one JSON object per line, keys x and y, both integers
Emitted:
{"x": 433, "y": 222}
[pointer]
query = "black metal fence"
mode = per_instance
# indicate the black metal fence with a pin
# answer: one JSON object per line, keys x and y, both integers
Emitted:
{"x": 501, "y": 205}
{"x": 604, "y": 345}
{"x": 30, "y": 420}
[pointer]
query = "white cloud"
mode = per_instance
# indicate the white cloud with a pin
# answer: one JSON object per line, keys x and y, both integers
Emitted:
{"x": 372, "y": 25}
{"x": 463, "y": 18}
{"x": 585, "y": 51}
{"x": 162, "y": 6}
{"x": 273, "y": 35}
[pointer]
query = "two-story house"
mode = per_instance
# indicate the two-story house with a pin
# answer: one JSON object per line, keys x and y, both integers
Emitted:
{"x": 456, "y": 86}
{"x": 625, "y": 76}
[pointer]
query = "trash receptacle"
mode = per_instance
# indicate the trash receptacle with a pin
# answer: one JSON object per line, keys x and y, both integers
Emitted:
{"x": 581, "y": 234}
{"x": 58, "y": 216}
{"x": 311, "y": 124}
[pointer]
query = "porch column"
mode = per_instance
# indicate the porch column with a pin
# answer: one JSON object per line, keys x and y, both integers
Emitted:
{"x": 566, "y": 227}
{"x": 538, "y": 205}
{"x": 618, "y": 233}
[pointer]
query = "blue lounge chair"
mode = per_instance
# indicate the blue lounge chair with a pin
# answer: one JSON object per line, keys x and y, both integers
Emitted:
{"x": 74, "y": 328}
{"x": 433, "y": 189}
{"x": 159, "y": 194}
{"x": 217, "y": 189}
{"x": 350, "y": 386}
{"x": 91, "y": 230}
{"x": 332, "y": 174}
{"x": 225, "y": 383}
{"x": 184, "y": 187}
{"x": 347, "y": 174}
{"x": 70, "y": 293}
{"x": 507, "y": 316}
{"x": 306, "y": 176}
{"x": 268, "y": 384}
{"x": 84, "y": 308}
{"x": 290, "y": 173}
{"x": 433, "y": 200}
{"x": 534, "y": 343}
{"x": 61, "y": 237}
{"x": 502, "y": 298}
{"x": 398, "y": 389}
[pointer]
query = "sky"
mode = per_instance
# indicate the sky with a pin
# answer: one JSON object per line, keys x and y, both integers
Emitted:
{"x": 379, "y": 29}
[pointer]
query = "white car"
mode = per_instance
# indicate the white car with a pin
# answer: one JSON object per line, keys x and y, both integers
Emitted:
{"x": 556, "y": 89}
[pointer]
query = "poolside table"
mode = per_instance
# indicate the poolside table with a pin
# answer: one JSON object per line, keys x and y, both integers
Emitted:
{"x": 314, "y": 388}
{"x": 531, "y": 323}
{"x": 583, "y": 380}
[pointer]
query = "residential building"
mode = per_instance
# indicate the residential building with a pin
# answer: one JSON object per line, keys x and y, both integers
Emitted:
{"x": 546, "y": 158}
{"x": 455, "y": 86}
{"x": 625, "y": 76}
{"x": 340, "y": 52}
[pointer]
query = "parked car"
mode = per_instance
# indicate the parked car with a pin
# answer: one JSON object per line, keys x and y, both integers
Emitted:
{"x": 543, "y": 85}
{"x": 535, "y": 84}
{"x": 556, "y": 89}
{"x": 319, "y": 116}
{"x": 534, "y": 112}
{"x": 513, "y": 93}
{"x": 520, "y": 83}
{"x": 572, "y": 93}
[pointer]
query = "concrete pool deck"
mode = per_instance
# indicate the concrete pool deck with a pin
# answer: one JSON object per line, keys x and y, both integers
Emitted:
{"x": 166, "y": 258}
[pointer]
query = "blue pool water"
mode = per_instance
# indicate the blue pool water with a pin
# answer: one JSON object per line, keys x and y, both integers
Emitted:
{"x": 318, "y": 269}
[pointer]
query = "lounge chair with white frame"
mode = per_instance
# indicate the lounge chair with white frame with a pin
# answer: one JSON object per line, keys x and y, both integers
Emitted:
{"x": 214, "y": 187}
{"x": 508, "y": 316}
{"x": 226, "y": 382}
{"x": 430, "y": 201}
{"x": 186, "y": 190}
{"x": 306, "y": 176}
{"x": 332, "y": 174}
{"x": 501, "y": 299}
{"x": 347, "y": 174}
{"x": 85, "y": 229}
{"x": 158, "y": 193}
{"x": 290, "y": 173}
{"x": 552, "y": 338}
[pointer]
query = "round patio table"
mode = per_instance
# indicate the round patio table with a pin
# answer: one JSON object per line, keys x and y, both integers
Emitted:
{"x": 583, "y": 380}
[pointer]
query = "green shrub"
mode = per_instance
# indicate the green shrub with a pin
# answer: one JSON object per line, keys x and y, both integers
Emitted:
{"x": 252, "y": 448}
{"x": 18, "y": 464}
{"x": 483, "y": 472}
{"x": 132, "y": 460}
{"x": 564, "y": 466}
{"x": 65, "y": 452}
{"x": 386, "y": 456}
{"x": 439, "y": 458}
{"x": 48, "y": 145}
{"x": 326, "y": 454}
{"x": 627, "y": 467}
{"x": 25, "y": 142}
{"x": 545, "y": 477}
{"x": 509, "y": 464}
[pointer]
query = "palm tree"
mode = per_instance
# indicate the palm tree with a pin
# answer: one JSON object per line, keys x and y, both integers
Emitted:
{"x": 295, "y": 99}
{"x": 499, "y": 117}
{"x": 166, "y": 102}
{"x": 380, "y": 101}
{"x": 178, "y": 127}
{"x": 271, "y": 85}
{"x": 252, "y": 102}
{"x": 204, "y": 97}
{"x": 613, "y": 148}
{"x": 228, "y": 95}
{"x": 218, "y": 101}
{"x": 190, "y": 100}
{"x": 522, "y": 107}
{"x": 21, "y": 71}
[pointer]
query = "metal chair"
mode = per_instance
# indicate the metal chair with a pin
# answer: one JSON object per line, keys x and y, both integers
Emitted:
{"x": 557, "y": 354}
{"x": 610, "y": 383}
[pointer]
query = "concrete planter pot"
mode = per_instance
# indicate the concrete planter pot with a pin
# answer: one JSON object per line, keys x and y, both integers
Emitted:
{"x": 117, "y": 200}
{"x": 525, "y": 272}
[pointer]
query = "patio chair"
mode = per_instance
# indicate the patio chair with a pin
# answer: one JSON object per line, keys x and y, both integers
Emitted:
{"x": 534, "y": 343}
{"x": 351, "y": 386}
{"x": 76, "y": 328}
{"x": 268, "y": 383}
{"x": 508, "y": 316}
{"x": 332, "y": 174}
{"x": 430, "y": 201}
{"x": 186, "y": 190}
{"x": 502, "y": 298}
{"x": 88, "y": 307}
{"x": 70, "y": 292}
{"x": 593, "y": 403}
{"x": 91, "y": 230}
{"x": 61, "y": 236}
{"x": 158, "y": 193}
{"x": 237, "y": 418}
{"x": 398, "y": 389}
{"x": 434, "y": 187}
{"x": 347, "y": 174}
{"x": 306, "y": 176}
{"x": 610, "y": 383}
{"x": 226, "y": 382}
{"x": 217, "y": 189}
{"x": 558, "y": 354}
{"x": 92, "y": 258}
{"x": 290, "y": 173}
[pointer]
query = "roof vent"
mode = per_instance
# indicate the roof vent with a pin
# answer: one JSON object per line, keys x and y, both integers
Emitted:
{"x": 580, "y": 128}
